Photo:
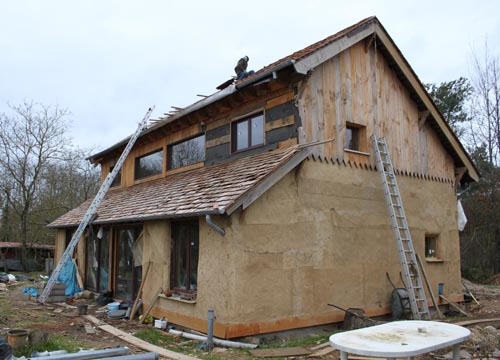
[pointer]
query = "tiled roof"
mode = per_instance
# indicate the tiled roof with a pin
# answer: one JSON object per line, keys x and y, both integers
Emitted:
{"x": 202, "y": 191}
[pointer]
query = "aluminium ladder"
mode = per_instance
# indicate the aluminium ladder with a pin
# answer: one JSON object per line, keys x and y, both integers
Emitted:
{"x": 416, "y": 291}
{"x": 91, "y": 211}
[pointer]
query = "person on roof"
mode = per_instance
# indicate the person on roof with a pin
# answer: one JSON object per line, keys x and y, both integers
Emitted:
{"x": 241, "y": 68}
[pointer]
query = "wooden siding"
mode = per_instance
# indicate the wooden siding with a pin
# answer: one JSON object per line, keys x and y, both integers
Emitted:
{"x": 281, "y": 123}
{"x": 359, "y": 86}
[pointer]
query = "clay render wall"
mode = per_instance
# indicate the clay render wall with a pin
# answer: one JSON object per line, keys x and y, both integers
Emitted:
{"x": 321, "y": 235}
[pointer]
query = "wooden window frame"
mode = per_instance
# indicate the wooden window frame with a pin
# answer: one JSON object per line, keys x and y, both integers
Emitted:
{"x": 138, "y": 158}
{"x": 359, "y": 136}
{"x": 431, "y": 249}
{"x": 248, "y": 119}
{"x": 173, "y": 259}
{"x": 169, "y": 152}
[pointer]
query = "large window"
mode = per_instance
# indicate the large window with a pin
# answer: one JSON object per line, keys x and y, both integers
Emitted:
{"x": 97, "y": 261}
{"x": 149, "y": 164}
{"x": 186, "y": 152}
{"x": 184, "y": 263}
{"x": 248, "y": 133}
{"x": 128, "y": 261}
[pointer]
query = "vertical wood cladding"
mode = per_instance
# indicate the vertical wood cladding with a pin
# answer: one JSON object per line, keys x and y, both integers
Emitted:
{"x": 281, "y": 124}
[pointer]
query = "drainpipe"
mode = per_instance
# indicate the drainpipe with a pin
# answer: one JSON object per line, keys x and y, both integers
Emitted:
{"x": 210, "y": 333}
{"x": 210, "y": 222}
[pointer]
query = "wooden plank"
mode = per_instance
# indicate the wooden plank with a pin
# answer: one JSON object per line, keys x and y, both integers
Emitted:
{"x": 280, "y": 100}
{"x": 322, "y": 352}
{"x": 78, "y": 276}
{"x": 141, "y": 344}
{"x": 220, "y": 140}
{"x": 89, "y": 329}
{"x": 478, "y": 321}
{"x": 283, "y": 352}
{"x": 139, "y": 293}
{"x": 434, "y": 302}
{"x": 455, "y": 306}
{"x": 153, "y": 302}
{"x": 276, "y": 124}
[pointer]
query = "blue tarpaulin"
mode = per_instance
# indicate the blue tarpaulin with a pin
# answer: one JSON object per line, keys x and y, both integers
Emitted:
{"x": 68, "y": 276}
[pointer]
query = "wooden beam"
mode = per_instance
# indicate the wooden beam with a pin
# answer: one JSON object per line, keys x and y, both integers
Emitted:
{"x": 459, "y": 174}
{"x": 455, "y": 306}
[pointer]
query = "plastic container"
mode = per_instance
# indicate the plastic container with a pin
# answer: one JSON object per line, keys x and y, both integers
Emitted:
{"x": 17, "y": 338}
{"x": 113, "y": 306}
{"x": 161, "y": 324}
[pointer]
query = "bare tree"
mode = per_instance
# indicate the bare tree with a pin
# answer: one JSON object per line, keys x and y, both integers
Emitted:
{"x": 485, "y": 129}
{"x": 30, "y": 139}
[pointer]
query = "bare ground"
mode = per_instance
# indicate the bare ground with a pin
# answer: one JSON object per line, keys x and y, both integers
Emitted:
{"x": 17, "y": 312}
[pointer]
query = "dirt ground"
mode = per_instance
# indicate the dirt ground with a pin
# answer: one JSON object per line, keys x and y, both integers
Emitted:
{"x": 18, "y": 312}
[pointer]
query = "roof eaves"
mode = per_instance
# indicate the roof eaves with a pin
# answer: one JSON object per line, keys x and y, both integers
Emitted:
{"x": 256, "y": 191}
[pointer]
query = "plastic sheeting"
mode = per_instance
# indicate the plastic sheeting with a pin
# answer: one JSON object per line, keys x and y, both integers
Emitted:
{"x": 462, "y": 219}
{"x": 68, "y": 276}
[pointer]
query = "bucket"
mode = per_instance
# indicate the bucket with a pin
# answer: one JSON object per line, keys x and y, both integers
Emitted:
{"x": 17, "y": 338}
{"x": 82, "y": 309}
{"x": 113, "y": 306}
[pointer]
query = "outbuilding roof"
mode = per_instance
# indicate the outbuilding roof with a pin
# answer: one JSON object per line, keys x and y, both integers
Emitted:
{"x": 217, "y": 189}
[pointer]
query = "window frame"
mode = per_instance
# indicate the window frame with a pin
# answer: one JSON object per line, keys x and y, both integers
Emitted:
{"x": 431, "y": 247}
{"x": 248, "y": 119}
{"x": 187, "y": 265}
{"x": 138, "y": 158}
{"x": 170, "y": 152}
{"x": 358, "y": 135}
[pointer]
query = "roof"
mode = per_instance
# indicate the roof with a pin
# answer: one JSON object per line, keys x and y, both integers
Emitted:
{"x": 311, "y": 56}
{"x": 217, "y": 189}
{"x": 5, "y": 245}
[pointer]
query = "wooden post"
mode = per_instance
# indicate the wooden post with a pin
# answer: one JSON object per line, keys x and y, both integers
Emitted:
{"x": 139, "y": 293}
{"x": 440, "y": 315}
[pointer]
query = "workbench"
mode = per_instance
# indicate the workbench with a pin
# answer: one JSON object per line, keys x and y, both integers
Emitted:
{"x": 400, "y": 339}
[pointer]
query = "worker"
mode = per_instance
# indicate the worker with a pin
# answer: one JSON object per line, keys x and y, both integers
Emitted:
{"x": 241, "y": 68}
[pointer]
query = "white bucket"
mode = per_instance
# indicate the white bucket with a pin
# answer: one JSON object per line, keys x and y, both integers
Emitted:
{"x": 113, "y": 306}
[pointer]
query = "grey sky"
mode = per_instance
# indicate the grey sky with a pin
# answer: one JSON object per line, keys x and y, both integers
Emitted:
{"x": 108, "y": 61}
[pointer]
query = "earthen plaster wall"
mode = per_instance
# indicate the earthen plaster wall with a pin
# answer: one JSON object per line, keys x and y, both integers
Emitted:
{"x": 320, "y": 235}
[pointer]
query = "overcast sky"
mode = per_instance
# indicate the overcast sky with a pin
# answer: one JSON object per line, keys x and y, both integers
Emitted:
{"x": 108, "y": 61}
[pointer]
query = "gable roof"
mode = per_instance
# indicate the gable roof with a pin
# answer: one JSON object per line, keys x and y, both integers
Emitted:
{"x": 311, "y": 56}
{"x": 218, "y": 189}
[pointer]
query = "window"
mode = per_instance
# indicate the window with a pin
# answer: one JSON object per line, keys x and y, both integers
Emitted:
{"x": 128, "y": 261}
{"x": 186, "y": 152}
{"x": 355, "y": 137}
{"x": 149, "y": 164}
{"x": 248, "y": 133}
{"x": 184, "y": 262}
{"x": 97, "y": 262}
{"x": 431, "y": 246}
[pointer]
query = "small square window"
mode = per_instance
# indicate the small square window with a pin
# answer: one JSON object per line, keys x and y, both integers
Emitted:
{"x": 248, "y": 133}
{"x": 431, "y": 246}
{"x": 355, "y": 137}
{"x": 149, "y": 164}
